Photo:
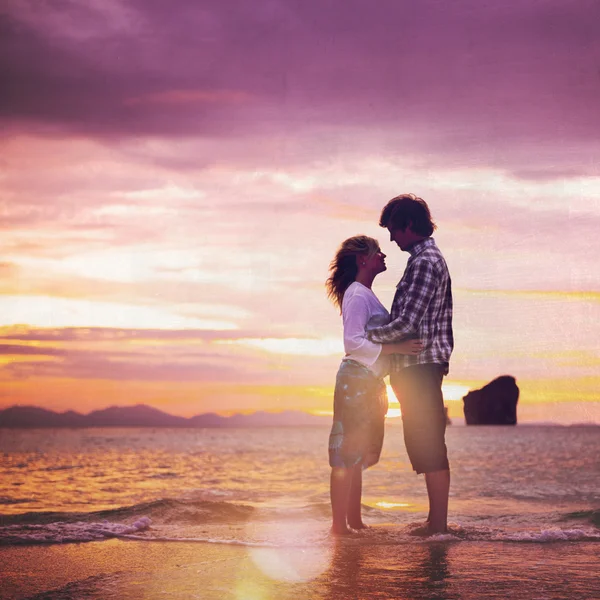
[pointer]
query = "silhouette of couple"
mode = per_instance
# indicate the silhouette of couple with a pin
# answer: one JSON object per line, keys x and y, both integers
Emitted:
{"x": 413, "y": 344}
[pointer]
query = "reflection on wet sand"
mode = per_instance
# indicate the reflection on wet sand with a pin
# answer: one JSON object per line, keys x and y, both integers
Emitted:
{"x": 411, "y": 572}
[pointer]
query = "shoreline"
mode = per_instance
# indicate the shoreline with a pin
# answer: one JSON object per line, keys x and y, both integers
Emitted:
{"x": 133, "y": 569}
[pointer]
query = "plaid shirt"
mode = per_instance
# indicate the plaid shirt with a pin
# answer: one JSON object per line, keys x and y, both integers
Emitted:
{"x": 422, "y": 308}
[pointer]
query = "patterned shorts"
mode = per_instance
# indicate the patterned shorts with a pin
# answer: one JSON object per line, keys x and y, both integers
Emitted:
{"x": 359, "y": 407}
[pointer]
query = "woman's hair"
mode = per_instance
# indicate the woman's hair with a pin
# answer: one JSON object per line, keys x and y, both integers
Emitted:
{"x": 407, "y": 210}
{"x": 344, "y": 266}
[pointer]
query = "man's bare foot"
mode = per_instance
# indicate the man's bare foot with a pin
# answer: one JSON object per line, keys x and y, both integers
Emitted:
{"x": 359, "y": 525}
{"x": 340, "y": 530}
{"x": 426, "y": 531}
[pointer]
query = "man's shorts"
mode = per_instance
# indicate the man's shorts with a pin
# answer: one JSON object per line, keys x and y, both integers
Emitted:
{"x": 419, "y": 391}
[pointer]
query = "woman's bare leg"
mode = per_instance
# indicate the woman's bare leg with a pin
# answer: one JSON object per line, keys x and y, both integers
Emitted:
{"x": 355, "y": 498}
{"x": 340, "y": 482}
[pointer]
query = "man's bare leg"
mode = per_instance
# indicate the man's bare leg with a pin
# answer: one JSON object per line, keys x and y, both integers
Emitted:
{"x": 341, "y": 479}
{"x": 438, "y": 490}
{"x": 354, "y": 500}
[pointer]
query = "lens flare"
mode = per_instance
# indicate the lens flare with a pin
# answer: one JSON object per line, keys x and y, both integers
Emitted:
{"x": 298, "y": 551}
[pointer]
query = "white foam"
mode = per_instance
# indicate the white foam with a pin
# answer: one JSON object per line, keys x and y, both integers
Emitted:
{"x": 554, "y": 534}
{"x": 200, "y": 540}
{"x": 61, "y": 532}
{"x": 80, "y": 531}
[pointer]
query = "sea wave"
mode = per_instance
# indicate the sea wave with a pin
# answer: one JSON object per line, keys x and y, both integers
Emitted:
{"x": 141, "y": 530}
{"x": 184, "y": 511}
{"x": 67, "y": 532}
{"x": 10, "y": 501}
{"x": 165, "y": 509}
{"x": 589, "y": 515}
{"x": 279, "y": 532}
{"x": 189, "y": 519}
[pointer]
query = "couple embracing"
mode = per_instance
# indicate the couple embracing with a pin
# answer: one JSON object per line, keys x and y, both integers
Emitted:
{"x": 413, "y": 344}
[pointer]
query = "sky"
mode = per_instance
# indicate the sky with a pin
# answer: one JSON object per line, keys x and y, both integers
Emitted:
{"x": 176, "y": 177}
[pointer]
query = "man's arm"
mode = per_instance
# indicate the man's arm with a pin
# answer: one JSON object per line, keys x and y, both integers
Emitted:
{"x": 421, "y": 288}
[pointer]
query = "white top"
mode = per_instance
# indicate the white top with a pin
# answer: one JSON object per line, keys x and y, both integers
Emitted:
{"x": 361, "y": 311}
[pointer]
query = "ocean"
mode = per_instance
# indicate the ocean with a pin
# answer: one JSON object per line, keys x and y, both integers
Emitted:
{"x": 524, "y": 510}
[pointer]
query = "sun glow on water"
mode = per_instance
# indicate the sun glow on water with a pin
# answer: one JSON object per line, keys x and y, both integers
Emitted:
{"x": 451, "y": 392}
{"x": 454, "y": 391}
{"x": 393, "y": 405}
{"x": 383, "y": 504}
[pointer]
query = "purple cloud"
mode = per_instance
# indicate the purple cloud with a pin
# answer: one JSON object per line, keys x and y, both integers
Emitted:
{"x": 163, "y": 362}
{"x": 466, "y": 81}
{"x": 91, "y": 367}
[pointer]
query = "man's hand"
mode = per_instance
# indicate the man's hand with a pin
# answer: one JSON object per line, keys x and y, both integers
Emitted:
{"x": 412, "y": 347}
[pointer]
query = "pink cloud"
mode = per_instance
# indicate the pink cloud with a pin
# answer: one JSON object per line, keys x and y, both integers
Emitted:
{"x": 244, "y": 141}
{"x": 102, "y": 334}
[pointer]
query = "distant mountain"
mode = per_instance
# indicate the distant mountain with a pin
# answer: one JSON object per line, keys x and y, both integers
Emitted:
{"x": 33, "y": 416}
{"x": 132, "y": 416}
{"x": 146, "y": 416}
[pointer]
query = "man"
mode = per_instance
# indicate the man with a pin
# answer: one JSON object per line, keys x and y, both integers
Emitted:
{"x": 422, "y": 308}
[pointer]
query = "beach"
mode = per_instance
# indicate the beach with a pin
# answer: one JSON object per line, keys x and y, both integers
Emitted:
{"x": 426, "y": 570}
{"x": 244, "y": 515}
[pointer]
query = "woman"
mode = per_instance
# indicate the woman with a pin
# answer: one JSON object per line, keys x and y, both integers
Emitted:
{"x": 360, "y": 400}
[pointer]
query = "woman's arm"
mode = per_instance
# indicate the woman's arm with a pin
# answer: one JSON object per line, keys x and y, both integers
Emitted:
{"x": 356, "y": 314}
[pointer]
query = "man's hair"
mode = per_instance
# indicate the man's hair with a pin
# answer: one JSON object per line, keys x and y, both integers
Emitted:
{"x": 408, "y": 210}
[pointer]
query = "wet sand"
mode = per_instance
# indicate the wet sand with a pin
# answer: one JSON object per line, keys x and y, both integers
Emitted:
{"x": 346, "y": 570}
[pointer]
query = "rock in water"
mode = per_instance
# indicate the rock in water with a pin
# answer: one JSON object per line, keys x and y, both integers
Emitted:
{"x": 494, "y": 404}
